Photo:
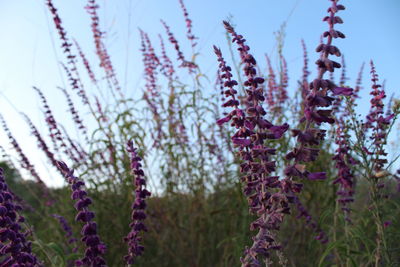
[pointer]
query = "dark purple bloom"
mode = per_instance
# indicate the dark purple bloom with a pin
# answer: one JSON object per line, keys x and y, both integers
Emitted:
{"x": 188, "y": 21}
{"x": 278, "y": 131}
{"x": 271, "y": 86}
{"x": 303, "y": 213}
{"x": 315, "y": 96}
{"x": 15, "y": 250}
{"x": 52, "y": 125}
{"x": 304, "y": 83}
{"x": 94, "y": 247}
{"x": 184, "y": 63}
{"x": 67, "y": 229}
{"x": 75, "y": 114}
{"x": 138, "y": 215}
{"x": 377, "y": 122}
{"x": 251, "y": 132}
{"x": 25, "y": 162}
{"x": 41, "y": 142}
{"x": 345, "y": 177}
{"x": 223, "y": 120}
{"x": 72, "y": 70}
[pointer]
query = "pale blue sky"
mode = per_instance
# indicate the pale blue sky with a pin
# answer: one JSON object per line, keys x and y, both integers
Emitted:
{"x": 28, "y": 57}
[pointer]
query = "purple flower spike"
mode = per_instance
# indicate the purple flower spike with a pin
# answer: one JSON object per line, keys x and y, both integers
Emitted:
{"x": 257, "y": 167}
{"x": 138, "y": 215}
{"x": 317, "y": 107}
{"x": 24, "y": 161}
{"x": 94, "y": 247}
{"x": 377, "y": 122}
{"x": 67, "y": 229}
{"x": 72, "y": 69}
{"x": 184, "y": 62}
{"x": 345, "y": 177}
{"x": 188, "y": 21}
{"x": 15, "y": 250}
{"x": 252, "y": 130}
{"x": 41, "y": 142}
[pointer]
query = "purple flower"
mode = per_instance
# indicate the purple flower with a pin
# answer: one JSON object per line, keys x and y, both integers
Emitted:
{"x": 74, "y": 112}
{"x": 67, "y": 229}
{"x": 303, "y": 213}
{"x": 167, "y": 67}
{"x": 271, "y": 86}
{"x": 53, "y": 127}
{"x": 188, "y": 21}
{"x": 316, "y": 97}
{"x": 72, "y": 70}
{"x": 306, "y": 73}
{"x": 94, "y": 247}
{"x": 184, "y": 63}
{"x": 25, "y": 162}
{"x": 251, "y": 132}
{"x": 377, "y": 122}
{"x": 41, "y": 142}
{"x": 15, "y": 250}
{"x": 101, "y": 50}
{"x": 345, "y": 177}
{"x": 138, "y": 215}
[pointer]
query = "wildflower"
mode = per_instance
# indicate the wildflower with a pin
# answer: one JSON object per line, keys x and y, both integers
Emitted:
{"x": 188, "y": 21}
{"x": 101, "y": 50}
{"x": 54, "y": 131}
{"x": 102, "y": 116}
{"x": 135, "y": 249}
{"x": 272, "y": 86}
{"x": 252, "y": 131}
{"x": 303, "y": 213}
{"x": 184, "y": 63}
{"x": 151, "y": 63}
{"x": 24, "y": 161}
{"x": 75, "y": 115}
{"x": 251, "y": 134}
{"x": 284, "y": 83}
{"x": 316, "y": 98}
{"x": 41, "y": 142}
{"x": 94, "y": 247}
{"x": 377, "y": 122}
{"x": 167, "y": 67}
{"x": 15, "y": 250}
{"x": 86, "y": 63}
{"x": 72, "y": 71}
{"x": 67, "y": 229}
{"x": 345, "y": 177}
{"x": 304, "y": 83}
